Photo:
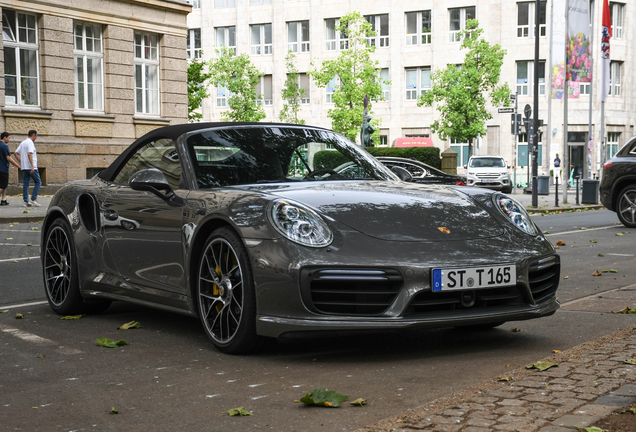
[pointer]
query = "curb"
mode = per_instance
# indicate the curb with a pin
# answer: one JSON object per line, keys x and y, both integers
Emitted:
{"x": 531, "y": 209}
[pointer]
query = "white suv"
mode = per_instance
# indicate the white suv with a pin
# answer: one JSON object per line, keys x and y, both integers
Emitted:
{"x": 489, "y": 172}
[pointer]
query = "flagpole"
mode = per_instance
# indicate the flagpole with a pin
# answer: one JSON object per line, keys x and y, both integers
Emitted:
{"x": 549, "y": 134}
{"x": 587, "y": 166}
{"x": 566, "y": 96}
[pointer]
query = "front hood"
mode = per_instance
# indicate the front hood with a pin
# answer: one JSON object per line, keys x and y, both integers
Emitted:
{"x": 395, "y": 211}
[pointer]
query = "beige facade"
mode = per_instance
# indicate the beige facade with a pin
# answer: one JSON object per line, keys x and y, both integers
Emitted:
{"x": 401, "y": 52}
{"x": 69, "y": 73}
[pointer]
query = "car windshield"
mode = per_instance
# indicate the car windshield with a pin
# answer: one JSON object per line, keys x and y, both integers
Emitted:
{"x": 256, "y": 154}
{"x": 487, "y": 163}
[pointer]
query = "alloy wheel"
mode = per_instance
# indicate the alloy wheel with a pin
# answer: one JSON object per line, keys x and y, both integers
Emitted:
{"x": 57, "y": 265}
{"x": 627, "y": 206}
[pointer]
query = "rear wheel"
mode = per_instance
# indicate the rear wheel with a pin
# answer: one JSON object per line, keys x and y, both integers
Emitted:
{"x": 626, "y": 208}
{"x": 226, "y": 295}
{"x": 61, "y": 280}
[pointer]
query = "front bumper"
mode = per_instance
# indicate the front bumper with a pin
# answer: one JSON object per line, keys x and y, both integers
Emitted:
{"x": 496, "y": 184}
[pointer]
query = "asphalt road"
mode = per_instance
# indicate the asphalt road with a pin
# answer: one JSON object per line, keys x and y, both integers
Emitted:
{"x": 54, "y": 377}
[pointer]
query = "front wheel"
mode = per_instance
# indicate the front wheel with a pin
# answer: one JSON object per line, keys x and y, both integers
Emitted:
{"x": 226, "y": 295}
{"x": 626, "y": 208}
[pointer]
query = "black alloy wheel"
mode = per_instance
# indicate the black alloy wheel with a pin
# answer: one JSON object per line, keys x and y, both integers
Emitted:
{"x": 626, "y": 208}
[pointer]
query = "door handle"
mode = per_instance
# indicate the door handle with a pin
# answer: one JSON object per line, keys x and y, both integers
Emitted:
{"x": 110, "y": 215}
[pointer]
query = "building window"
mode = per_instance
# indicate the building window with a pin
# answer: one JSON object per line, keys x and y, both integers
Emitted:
{"x": 88, "y": 60}
{"x": 332, "y": 86}
{"x": 526, "y": 16}
{"x": 418, "y": 81}
{"x": 615, "y": 78}
{"x": 522, "y": 150}
{"x": 380, "y": 25}
{"x": 261, "y": 39}
{"x": 194, "y": 44}
{"x": 612, "y": 144}
{"x": 525, "y": 71}
{"x": 304, "y": 85}
{"x": 21, "y": 80}
{"x": 384, "y": 74}
{"x": 196, "y": 4}
{"x": 335, "y": 40}
{"x": 458, "y": 18}
{"x": 298, "y": 36}
{"x": 584, "y": 88}
{"x": 226, "y": 37}
{"x": 418, "y": 28}
{"x": 264, "y": 88}
{"x": 616, "y": 11}
{"x": 219, "y": 4}
{"x": 384, "y": 140}
{"x": 260, "y": 2}
{"x": 222, "y": 94}
{"x": 462, "y": 151}
{"x": 146, "y": 73}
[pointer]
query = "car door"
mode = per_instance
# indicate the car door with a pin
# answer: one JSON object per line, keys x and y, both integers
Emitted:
{"x": 143, "y": 231}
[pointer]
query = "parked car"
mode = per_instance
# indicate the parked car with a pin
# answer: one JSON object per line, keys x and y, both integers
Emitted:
{"x": 488, "y": 172}
{"x": 235, "y": 225}
{"x": 618, "y": 184}
{"x": 421, "y": 172}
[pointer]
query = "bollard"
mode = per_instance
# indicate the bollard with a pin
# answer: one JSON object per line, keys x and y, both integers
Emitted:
{"x": 578, "y": 178}
{"x": 556, "y": 192}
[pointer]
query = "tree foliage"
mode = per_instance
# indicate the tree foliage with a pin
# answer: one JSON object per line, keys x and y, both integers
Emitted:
{"x": 292, "y": 92}
{"x": 357, "y": 73}
{"x": 459, "y": 91}
{"x": 240, "y": 77}
{"x": 197, "y": 88}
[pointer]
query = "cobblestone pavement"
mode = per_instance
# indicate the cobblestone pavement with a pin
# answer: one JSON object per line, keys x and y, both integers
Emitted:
{"x": 590, "y": 382}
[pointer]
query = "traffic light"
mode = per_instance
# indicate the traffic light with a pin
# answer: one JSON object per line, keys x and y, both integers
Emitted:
{"x": 515, "y": 127}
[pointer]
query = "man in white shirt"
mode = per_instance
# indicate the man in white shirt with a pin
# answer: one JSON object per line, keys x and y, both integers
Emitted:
{"x": 28, "y": 159}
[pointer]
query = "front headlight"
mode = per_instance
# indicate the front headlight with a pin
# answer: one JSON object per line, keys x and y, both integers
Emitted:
{"x": 299, "y": 224}
{"x": 515, "y": 213}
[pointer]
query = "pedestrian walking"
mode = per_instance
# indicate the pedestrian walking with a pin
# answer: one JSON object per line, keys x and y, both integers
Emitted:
{"x": 557, "y": 167}
{"x": 5, "y": 160}
{"x": 27, "y": 156}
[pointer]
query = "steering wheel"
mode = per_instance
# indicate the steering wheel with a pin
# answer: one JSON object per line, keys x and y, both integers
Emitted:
{"x": 313, "y": 174}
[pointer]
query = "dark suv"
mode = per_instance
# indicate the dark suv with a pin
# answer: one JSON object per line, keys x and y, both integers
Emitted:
{"x": 618, "y": 184}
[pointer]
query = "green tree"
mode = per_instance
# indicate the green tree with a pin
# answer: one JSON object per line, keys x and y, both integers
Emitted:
{"x": 292, "y": 93}
{"x": 240, "y": 77}
{"x": 197, "y": 88}
{"x": 357, "y": 76}
{"x": 458, "y": 91}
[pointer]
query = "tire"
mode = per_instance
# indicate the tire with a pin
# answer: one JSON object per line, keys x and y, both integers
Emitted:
{"x": 61, "y": 277}
{"x": 226, "y": 294}
{"x": 626, "y": 206}
{"x": 507, "y": 190}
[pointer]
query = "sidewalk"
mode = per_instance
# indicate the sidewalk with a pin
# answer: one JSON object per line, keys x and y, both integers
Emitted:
{"x": 546, "y": 203}
{"x": 17, "y": 212}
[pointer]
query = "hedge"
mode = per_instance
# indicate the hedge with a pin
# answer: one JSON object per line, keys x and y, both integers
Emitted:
{"x": 428, "y": 155}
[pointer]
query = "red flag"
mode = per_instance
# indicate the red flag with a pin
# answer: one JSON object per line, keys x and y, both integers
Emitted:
{"x": 606, "y": 34}
{"x": 607, "y": 18}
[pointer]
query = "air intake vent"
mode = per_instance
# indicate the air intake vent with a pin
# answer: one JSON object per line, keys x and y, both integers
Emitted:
{"x": 447, "y": 301}
{"x": 543, "y": 276}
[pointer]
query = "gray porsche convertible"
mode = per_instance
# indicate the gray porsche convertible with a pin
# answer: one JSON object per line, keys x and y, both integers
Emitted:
{"x": 250, "y": 228}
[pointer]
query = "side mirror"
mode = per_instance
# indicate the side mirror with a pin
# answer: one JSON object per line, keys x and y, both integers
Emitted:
{"x": 402, "y": 173}
{"x": 465, "y": 166}
{"x": 153, "y": 180}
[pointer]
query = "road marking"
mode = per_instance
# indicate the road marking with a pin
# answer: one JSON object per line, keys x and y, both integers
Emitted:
{"x": 597, "y": 294}
{"x": 29, "y": 337}
{"x": 20, "y": 259}
{"x": 580, "y": 230}
{"x": 23, "y": 305}
{"x": 623, "y": 255}
{"x": 23, "y": 231}
{"x": 18, "y": 244}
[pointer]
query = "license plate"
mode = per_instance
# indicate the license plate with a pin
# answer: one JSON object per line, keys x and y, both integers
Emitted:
{"x": 465, "y": 278}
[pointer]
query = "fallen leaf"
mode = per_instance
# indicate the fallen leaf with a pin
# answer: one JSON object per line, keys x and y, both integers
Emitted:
{"x": 41, "y": 356}
{"x": 593, "y": 241}
{"x": 630, "y": 362}
{"x": 114, "y": 411}
{"x": 591, "y": 429}
{"x": 26, "y": 212}
{"x": 323, "y": 397}
{"x": 619, "y": 234}
{"x": 597, "y": 273}
{"x": 566, "y": 277}
{"x": 4, "y": 311}
{"x": 515, "y": 330}
{"x": 556, "y": 351}
{"x": 444, "y": 230}
{"x": 359, "y": 402}
{"x": 546, "y": 232}
{"x": 71, "y": 317}
{"x": 29, "y": 244}
{"x": 583, "y": 228}
{"x": 601, "y": 255}
{"x": 19, "y": 316}
{"x": 9, "y": 238}
{"x": 612, "y": 270}
{"x": 629, "y": 410}
{"x": 107, "y": 343}
{"x": 34, "y": 228}
{"x": 542, "y": 366}
{"x": 507, "y": 379}
{"x": 240, "y": 411}
{"x": 129, "y": 325}
{"x": 560, "y": 243}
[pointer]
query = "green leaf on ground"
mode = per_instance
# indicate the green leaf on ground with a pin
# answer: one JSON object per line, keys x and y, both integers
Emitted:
{"x": 591, "y": 429}
{"x": 19, "y": 316}
{"x": 631, "y": 362}
{"x": 359, "y": 402}
{"x": 619, "y": 234}
{"x": 593, "y": 241}
{"x": 114, "y": 411}
{"x": 71, "y": 317}
{"x": 625, "y": 310}
{"x": 601, "y": 255}
{"x": 323, "y": 397}
{"x": 107, "y": 343}
{"x": 34, "y": 228}
{"x": 240, "y": 411}
{"x": 9, "y": 238}
{"x": 629, "y": 410}
{"x": 542, "y": 366}
{"x": 129, "y": 325}
{"x": 25, "y": 211}
{"x": 4, "y": 311}
{"x": 516, "y": 330}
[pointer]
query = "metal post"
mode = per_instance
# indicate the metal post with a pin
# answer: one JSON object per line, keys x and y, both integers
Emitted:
{"x": 535, "y": 120}
{"x": 588, "y": 163}
{"x": 514, "y": 150}
{"x": 566, "y": 91}
{"x": 578, "y": 178}
{"x": 556, "y": 191}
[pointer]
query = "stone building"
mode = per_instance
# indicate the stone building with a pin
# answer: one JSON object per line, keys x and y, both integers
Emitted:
{"x": 413, "y": 39}
{"x": 90, "y": 76}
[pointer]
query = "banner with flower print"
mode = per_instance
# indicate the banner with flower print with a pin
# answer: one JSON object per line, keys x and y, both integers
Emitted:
{"x": 578, "y": 43}
{"x": 557, "y": 69}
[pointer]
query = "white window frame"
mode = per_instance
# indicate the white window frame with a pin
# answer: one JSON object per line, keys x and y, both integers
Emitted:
{"x": 340, "y": 42}
{"x": 193, "y": 52}
{"x": 584, "y": 88}
{"x": 613, "y": 138}
{"x": 413, "y": 91}
{"x": 615, "y": 78}
{"x": 303, "y": 83}
{"x": 14, "y": 42}
{"x": 228, "y": 32}
{"x": 222, "y": 95}
{"x": 262, "y": 46}
{"x": 529, "y": 79}
{"x": 334, "y": 83}
{"x": 196, "y": 4}
{"x": 265, "y": 84}
{"x": 384, "y": 73}
{"x": 88, "y": 50}
{"x": 454, "y": 35}
{"x": 379, "y": 40}
{"x": 617, "y": 10}
{"x": 527, "y": 30}
{"x": 221, "y": 4}
{"x": 147, "y": 63}
{"x": 420, "y": 36}
{"x": 295, "y": 28}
